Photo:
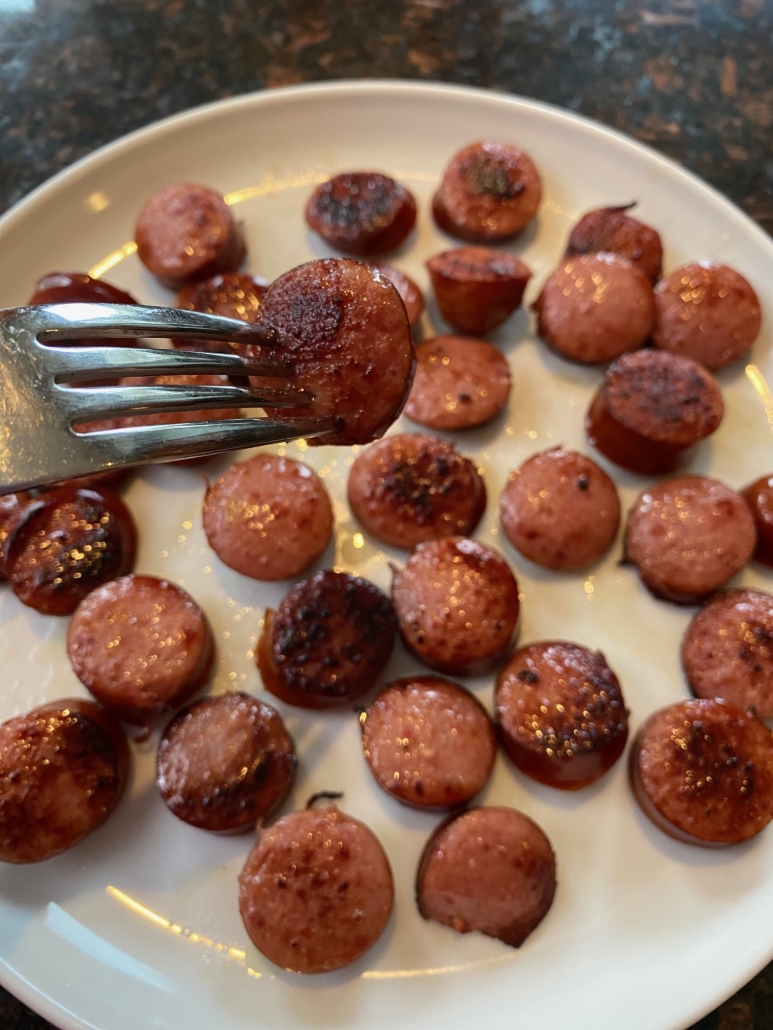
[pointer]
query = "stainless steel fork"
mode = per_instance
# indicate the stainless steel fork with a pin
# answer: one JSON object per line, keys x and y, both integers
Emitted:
{"x": 38, "y": 444}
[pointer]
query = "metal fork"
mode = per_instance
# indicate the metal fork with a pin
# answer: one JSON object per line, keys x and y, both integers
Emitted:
{"x": 38, "y": 444}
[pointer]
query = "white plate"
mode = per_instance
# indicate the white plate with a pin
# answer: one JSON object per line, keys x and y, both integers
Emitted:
{"x": 138, "y": 927}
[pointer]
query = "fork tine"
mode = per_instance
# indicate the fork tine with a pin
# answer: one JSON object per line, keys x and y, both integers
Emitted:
{"x": 98, "y": 402}
{"x": 68, "y": 363}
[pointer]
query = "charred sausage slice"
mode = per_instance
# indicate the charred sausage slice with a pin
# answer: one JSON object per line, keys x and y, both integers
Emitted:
{"x": 362, "y": 213}
{"x": 228, "y": 294}
{"x": 477, "y": 288}
{"x": 410, "y": 293}
{"x": 759, "y": 497}
{"x": 613, "y": 231}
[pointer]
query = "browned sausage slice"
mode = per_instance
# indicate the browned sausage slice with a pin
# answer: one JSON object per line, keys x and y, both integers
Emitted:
{"x": 703, "y": 772}
{"x": 477, "y": 288}
{"x": 488, "y": 193}
{"x": 186, "y": 233}
{"x": 316, "y": 891}
{"x": 225, "y": 762}
{"x": 459, "y": 383}
{"x": 345, "y": 330}
{"x": 457, "y": 605}
{"x": 727, "y": 650}
{"x": 410, "y": 488}
{"x": 613, "y": 231}
{"x": 229, "y": 294}
{"x": 269, "y": 517}
{"x": 410, "y": 293}
{"x": 595, "y": 307}
{"x": 362, "y": 213}
{"x": 651, "y": 410}
{"x": 561, "y": 714}
{"x": 140, "y": 645}
{"x": 428, "y": 742}
{"x": 759, "y": 497}
{"x": 560, "y": 510}
{"x": 77, "y": 287}
{"x": 491, "y": 870}
{"x": 707, "y": 312}
{"x": 687, "y": 536}
{"x": 67, "y": 544}
{"x": 327, "y": 642}
{"x": 63, "y": 769}
{"x": 12, "y": 509}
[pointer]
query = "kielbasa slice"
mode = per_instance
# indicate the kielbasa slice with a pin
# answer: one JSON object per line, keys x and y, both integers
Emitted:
{"x": 140, "y": 645}
{"x": 702, "y": 771}
{"x": 12, "y": 508}
{"x": 688, "y": 536}
{"x": 612, "y": 230}
{"x": 410, "y": 488}
{"x": 488, "y": 193}
{"x": 759, "y": 497}
{"x": 459, "y": 383}
{"x": 561, "y": 714}
{"x": 560, "y": 510}
{"x": 727, "y": 650}
{"x": 457, "y": 605}
{"x": 229, "y": 294}
{"x": 187, "y": 233}
{"x": 316, "y": 891}
{"x": 67, "y": 544}
{"x": 269, "y": 517}
{"x": 63, "y": 769}
{"x": 362, "y": 213}
{"x": 477, "y": 288}
{"x": 652, "y": 409}
{"x": 428, "y": 742}
{"x": 410, "y": 293}
{"x": 594, "y": 308}
{"x": 345, "y": 330}
{"x": 225, "y": 762}
{"x": 327, "y": 642}
{"x": 79, "y": 288}
{"x": 707, "y": 312}
{"x": 491, "y": 870}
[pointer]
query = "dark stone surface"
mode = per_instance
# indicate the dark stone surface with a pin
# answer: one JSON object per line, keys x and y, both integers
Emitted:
{"x": 693, "y": 78}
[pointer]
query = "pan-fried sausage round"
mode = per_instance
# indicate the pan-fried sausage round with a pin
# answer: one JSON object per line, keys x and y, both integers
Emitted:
{"x": 707, "y": 312}
{"x": 316, "y": 891}
{"x": 457, "y": 605}
{"x": 459, "y": 383}
{"x": 12, "y": 508}
{"x": 652, "y": 409}
{"x": 488, "y": 193}
{"x": 491, "y": 870}
{"x": 269, "y": 517}
{"x": 703, "y": 772}
{"x": 688, "y": 536}
{"x": 327, "y": 642}
{"x": 63, "y": 768}
{"x": 409, "y": 488}
{"x": 595, "y": 307}
{"x": 140, "y": 645}
{"x": 560, "y": 510}
{"x": 727, "y": 650}
{"x": 428, "y": 742}
{"x": 362, "y": 213}
{"x": 759, "y": 497}
{"x": 410, "y": 293}
{"x": 77, "y": 287}
{"x": 561, "y": 714}
{"x": 228, "y": 294}
{"x": 225, "y": 762}
{"x": 477, "y": 288}
{"x": 613, "y": 231}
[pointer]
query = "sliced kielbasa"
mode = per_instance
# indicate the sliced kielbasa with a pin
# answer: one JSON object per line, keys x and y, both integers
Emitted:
{"x": 488, "y": 193}
{"x": 727, "y": 650}
{"x": 759, "y": 497}
{"x": 477, "y": 288}
{"x": 269, "y": 517}
{"x": 595, "y": 307}
{"x": 459, "y": 383}
{"x": 362, "y": 213}
{"x": 79, "y": 288}
{"x": 491, "y": 870}
{"x": 707, "y": 312}
{"x": 327, "y": 642}
{"x": 410, "y": 293}
{"x": 612, "y": 230}
{"x": 703, "y": 772}
{"x": 560, "y": 510}
{"x": 652, "y": 409}
{"x": 12, "y": 508}
{"x": 224, "y": 762}
{"x": 410, "y": 488}
{"x": 229, "y": 294}
{"x": 428, "y": 742}
{"x": 316, "y": 891}
{"x": 688, "y": 536}
{"x": 140, "y": 645}
{"x": 561, "y": 714}
{"x": 63, "y": 769}
{"x": 186, "y": 233}
{"x": 457, "y": 605}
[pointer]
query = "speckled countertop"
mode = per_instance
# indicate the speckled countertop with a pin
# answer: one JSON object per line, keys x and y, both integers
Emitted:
{"x": 692, "y": 78}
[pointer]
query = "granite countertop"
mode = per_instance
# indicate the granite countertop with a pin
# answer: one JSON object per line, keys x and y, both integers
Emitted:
{"x": 692, "y": 78}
